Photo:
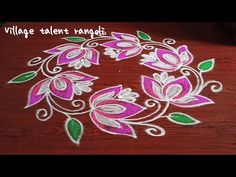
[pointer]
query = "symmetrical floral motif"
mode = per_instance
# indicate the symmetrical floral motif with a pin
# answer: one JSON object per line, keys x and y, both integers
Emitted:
{"x": 75, "y": 55}
{"x": 123, "y": 46}
{"x": 177, "y": 91}
{"x": 167, "y": 60}
{"x": 114, "y": 109}
{"x": 63, "y": 86}
{"x": 110, "y": 106}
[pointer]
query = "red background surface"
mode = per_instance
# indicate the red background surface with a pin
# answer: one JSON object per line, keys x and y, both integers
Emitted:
{"x": 22, "y": 133}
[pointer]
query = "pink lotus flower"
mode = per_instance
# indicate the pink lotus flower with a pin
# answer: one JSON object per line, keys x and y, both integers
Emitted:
{"x": 63, "y": 86}
{"x": 177, "y": 91}
{"x": 112, "y": 105}
{"x": 167, "y": 60}
{"x": 124, "y": 46}
{"x": 75, "y": 55}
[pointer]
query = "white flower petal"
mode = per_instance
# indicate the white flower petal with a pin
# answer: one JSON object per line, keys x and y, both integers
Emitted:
{"x": 78, "y": 65}
{"x": 158, "y": 90}
{"x": 171, "y": 58}
{"x": 157, "y": 77}
{"x": 86, "y": 63}
{"x": 112, "y": 108}
{"x": 103, "y": 97}
{"x": 184, "y": 57}
{"x": 106, "y": 121}
{"x": 73, "y": 63}
{"x": 133, "y": 51}
{"x": 77, "y": 90}
{"x": 85, "y": 88}
{"x": 60, "y": 84}
{"x": 129, "y": 99}
{"x": 164, "y": 76}
{"x": 73, "y": 77}
{"x": 124, "y": 44}
{"x": 73, "y": 53}
{"x": 43, "y": 88}
{"x": 125, "y": 91}
{"x": 85, "y": 83}
{"x": 128, "y": 38}
{"x": 173, "y": 91}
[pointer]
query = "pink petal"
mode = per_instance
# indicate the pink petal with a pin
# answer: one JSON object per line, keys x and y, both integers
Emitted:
{"x": 61, "y": 48}
{"x": 125, "y": 36}
{"x": 115, "y": 44}
{"x": 130, "y": 109}
{"x": 33, "y": 96}
{"x": 94, "y": 57}
{"x": 123, "y": 129}
{"x": 128, "y": 54}
{"x": 168, "y": 57}
{"x": 113, "y": 91}
{"x": 184, "y": 49}
{"x": 198, "y": 100}
{"x": 183, "y": 82}
{"x": 152, "y": 87}
{"x": 78, "y": 75}
{"x": 64, "y": 59}
{"x": 159, "y": 66}
{"x": 65, "y": 93}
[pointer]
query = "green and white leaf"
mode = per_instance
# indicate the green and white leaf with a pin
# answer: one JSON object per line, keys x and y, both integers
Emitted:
{"x": 182, "y": 119}
{"x": 207, "y": 65}
{"x": 75, "y": 39}
{"x": 74, "y": 130}
{"x": 24, "y": 77}
{"x": 143, "y": 36}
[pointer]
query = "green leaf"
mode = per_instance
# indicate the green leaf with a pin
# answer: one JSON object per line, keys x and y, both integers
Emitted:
{"x": 183, "y": 119}
{"x": 206, "y": 65}
{"x": 74, "y": 129}
{"x": 23, "y": 77}
{"x": 75, "y": 39}
{"x": 143, "y": 35}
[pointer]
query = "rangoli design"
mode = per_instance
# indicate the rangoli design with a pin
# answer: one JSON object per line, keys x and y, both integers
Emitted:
{"x": 114, "y": 109}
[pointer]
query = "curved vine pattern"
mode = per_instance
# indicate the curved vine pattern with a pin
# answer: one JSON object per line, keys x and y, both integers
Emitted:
{"x": 114, "y": 109}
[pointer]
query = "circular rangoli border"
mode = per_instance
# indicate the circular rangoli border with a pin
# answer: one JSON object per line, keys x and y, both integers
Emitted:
{"x": 114, "y": 109}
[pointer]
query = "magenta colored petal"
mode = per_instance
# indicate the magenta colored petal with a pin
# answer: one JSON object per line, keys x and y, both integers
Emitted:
{"x": 61, "y": 48}
{"x": 130, "y": 109}
{"x": 117, "y": 35}
{"x": 115, "y": 44}
{"x": 182, "y": 49}
{"x": 64, "y": 59}
{"x": 152, "y": 87}
{"x": 79, "y": 75}
{"x": 94, "y": 58}
{"x": 198, "y": 101}
{"x": 123, "y": 129}
{"x": 125, "y": 54}
{"x": 111, "y": 44}
{"x": 114, "y": 91}
{"x": 162, "y": 53}
{"x": 34, "y": 97}
{"x": 125, "y": 36}
{"x": 159, "y": 66}
{"x": 65, "y": 93}
{"x": 183, "y": 82}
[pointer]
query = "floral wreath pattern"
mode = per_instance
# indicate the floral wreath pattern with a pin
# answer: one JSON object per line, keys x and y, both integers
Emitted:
{"x": 114, "y": 109}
